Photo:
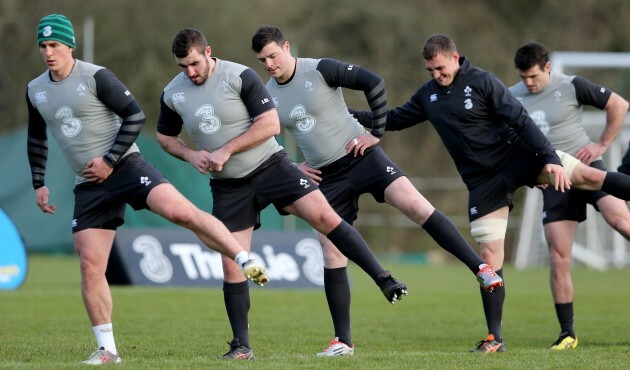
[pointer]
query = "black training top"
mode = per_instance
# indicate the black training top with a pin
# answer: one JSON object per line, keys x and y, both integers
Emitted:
{"x": 479, "y": 121}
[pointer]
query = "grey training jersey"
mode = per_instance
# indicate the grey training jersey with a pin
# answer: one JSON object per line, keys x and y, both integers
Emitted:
{"x": 315, "y": 114}
{"x": 83, "y": 126}
{"x": 557, "y": 109}
{"x": 217, "y": 112}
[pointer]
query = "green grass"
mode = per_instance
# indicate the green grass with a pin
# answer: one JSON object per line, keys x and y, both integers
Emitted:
{"x": 43, "y": 324}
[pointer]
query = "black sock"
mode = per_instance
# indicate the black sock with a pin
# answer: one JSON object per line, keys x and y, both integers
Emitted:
{"x": 351, "y": 244}
{"x": 337, "y": 291}
{"x": 451, "y": 240}
{"x": 493, "y": 308}
{"x": 565, "y": 317}
{"x": 236, "y": 297}
{"x": 617, "y": 184}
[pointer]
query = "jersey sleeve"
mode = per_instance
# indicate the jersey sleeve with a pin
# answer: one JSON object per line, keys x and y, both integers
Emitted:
{"x": 254, "y": 94}
{"x": 510, "y": 111}
{"x": 406, "y": 115}
{"x": 169, "y": 122}
{"x": 400, "y": 118}
{"x": 363, "y": 116}
{"x": 339, "y": 74}
{"x": 115, "y": 95}
{"x": 36, "y": 145}
{"x": 589, "y": 93}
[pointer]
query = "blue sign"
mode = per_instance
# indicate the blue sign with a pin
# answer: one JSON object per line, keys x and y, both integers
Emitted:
{"x": 176, "y": 257}
{"x": 12, "y": 254}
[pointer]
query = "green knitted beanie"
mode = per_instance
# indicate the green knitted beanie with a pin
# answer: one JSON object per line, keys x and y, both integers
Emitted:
{"x": 56, "y": 27}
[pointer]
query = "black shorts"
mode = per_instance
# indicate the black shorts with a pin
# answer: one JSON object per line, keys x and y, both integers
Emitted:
{"x": 238, "y": 202}
{"x": 102, "y": 206}
{"x": 570, "y": 205}
{"x": 344, "y": 180}
{"x": 496, "y": 190}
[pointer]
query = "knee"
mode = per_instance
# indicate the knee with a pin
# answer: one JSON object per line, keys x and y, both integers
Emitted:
{"x": 87, "y": 267}
{"x": 182, "y": 215}
{"x": 592, "y": 178}
{"x": 559, "y": 258}
{"x": 232, "y": 272}
{"x": 333, "y": 258}
{"x": 92, "y": 270}
{"x": 325, "y": 220}
{"x": 621, "y": 224}
{"x": 492, "y": 256}
{"x": 487, "y": 255}
{"x": 418, "y": 211}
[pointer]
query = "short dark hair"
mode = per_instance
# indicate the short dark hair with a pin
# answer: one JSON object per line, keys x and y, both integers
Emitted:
{"x": 266, "y": 34}
{"x": 531, "y": 54}
{"x": 438, "y": 44}
{"x": 186, "y": 39}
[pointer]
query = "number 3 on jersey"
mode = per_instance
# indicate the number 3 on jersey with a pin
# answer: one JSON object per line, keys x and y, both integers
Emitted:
{"x": 71, "y": 125}
{"x": 305, "y": 122}
{"x": 210, "y": 123}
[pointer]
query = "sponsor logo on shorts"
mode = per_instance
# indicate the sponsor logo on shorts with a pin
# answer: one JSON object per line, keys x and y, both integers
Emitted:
{"x": 144, "y": 180}
{"x": 390, "y": 170}
{"x": 544, "y": 215}
{"x": 304, "y": 183}
{"x": 74, "y": 223}
{"x": 473, "y": 211}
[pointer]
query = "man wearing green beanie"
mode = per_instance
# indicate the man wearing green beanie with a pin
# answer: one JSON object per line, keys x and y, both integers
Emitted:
{"x": 56, "y": 27}
{"x": 96, "y": 120}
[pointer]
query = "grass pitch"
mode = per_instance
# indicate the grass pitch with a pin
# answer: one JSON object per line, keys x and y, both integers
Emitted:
{"x": 43, "y": 324}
